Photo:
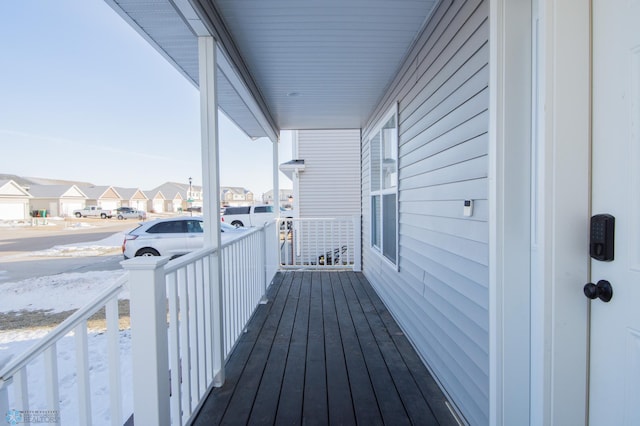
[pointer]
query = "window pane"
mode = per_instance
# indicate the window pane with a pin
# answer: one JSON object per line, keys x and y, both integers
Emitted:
{"x": 389, "y": 227}
{"x": 172, "y": 227}
{"x": 375, "y": 221}
{"x": 374, "y": 152}
{"x": 194, "y": 226}
{"x": 390, "y": 152}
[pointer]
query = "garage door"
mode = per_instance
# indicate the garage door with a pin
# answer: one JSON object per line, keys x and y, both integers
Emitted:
{"x": 12, "y": 211}
{"x": 68, "y": 208}
{"x": 158, "y": 206}
{"x": 109, "y": 205}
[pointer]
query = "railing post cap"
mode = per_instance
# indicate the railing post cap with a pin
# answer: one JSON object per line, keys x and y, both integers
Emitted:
{"x": 145, "y": 263}
{"x": 5, "y": 382}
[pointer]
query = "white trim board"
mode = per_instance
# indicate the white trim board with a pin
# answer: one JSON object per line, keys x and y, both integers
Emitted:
{"x": 538, "y": 324}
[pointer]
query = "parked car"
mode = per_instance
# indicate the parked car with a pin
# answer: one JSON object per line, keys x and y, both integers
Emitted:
{"x": 130, "y": 213}
{"x": 171, "y": 237}
{"x": 248, "y": 215}
{"x": 124, "y": 209}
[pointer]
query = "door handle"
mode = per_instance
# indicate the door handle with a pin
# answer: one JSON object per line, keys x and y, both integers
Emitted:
{"x": 602, "y": 290}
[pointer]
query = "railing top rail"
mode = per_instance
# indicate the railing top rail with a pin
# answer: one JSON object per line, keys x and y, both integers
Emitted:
{"x": 188, "y": 258}
{"x": 316, "y": 219}
{"x": 82, "y": 314}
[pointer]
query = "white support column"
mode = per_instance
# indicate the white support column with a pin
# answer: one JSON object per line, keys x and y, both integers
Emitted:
{"x": 149, "y": 342}
{"x": 276, "y": 177}
{"x": 209, "y": 140}
{"x": 559, "y": 317}
{"x": 510, "y": 117}
{"x": 296, "y": 174}
{"x": 211, "y": 191}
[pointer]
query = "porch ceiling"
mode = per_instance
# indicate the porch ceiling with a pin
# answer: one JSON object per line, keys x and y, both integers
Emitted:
{"x": 311, "y": 64}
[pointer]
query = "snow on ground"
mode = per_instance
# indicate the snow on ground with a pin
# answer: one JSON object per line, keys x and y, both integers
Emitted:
{"x": 40, "y": 221}
{"x": 59, "y": 293}
{"x": 16, "y": 342}
{"x": 78, "y": 225}
{"x": 56, "y": 293}
{"x": 109, "y": 245}
{"x": 63, "y": 292}
{"x": 48, "y": 221}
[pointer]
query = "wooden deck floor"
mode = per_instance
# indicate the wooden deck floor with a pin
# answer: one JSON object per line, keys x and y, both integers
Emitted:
{"x": 324, "y": 350}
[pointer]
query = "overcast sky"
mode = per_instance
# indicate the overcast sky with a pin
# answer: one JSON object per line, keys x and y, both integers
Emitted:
{"x": 84, "y": 97}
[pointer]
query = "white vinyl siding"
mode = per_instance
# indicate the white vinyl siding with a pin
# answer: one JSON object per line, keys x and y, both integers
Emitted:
{"x": 440, "y": 293}
{"x": 329, "y": 186}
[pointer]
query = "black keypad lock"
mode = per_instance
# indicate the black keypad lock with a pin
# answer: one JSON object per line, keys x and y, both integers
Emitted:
{"x": 602, "y": 237}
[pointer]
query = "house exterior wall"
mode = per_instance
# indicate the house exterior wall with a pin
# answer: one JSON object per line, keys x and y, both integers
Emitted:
{"x": 330, "y": 184}
{"x": 14, "y": 201}
{"x": 52, "y": 205}
{"x": 439, "y": 291}
{"x": 285, "y": 199}
{"x": 61, "y": 207}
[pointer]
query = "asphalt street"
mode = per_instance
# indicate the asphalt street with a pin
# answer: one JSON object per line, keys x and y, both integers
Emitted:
{"x": 18, "y": 260}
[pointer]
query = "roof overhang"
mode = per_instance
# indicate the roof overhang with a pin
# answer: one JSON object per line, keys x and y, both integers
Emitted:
{"x": 287, "y": 64}
{"x": 9, "y": 188}
{"x": 291, "y": 168}
{"x": 172, "y": 27}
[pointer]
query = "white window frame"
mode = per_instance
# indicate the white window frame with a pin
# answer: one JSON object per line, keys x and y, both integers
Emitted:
{"x": 381, "y": 192}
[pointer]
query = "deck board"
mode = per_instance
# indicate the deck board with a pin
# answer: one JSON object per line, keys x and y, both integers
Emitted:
{"x": 362, "y": 394}
{"x": 409, "y": 393}
{"x": 423, "y": 379}
{"x": 314, "y": 408}
{"x": 266, "y": 403}
{"x": 388, "y": 399}
{"x": 291, "y": 395}
{"x": 324, "y": 350}
{"x": 241, "y": 403}
{"x": 338, "y": 388}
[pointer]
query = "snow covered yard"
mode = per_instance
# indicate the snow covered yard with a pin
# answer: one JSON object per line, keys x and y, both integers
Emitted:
{"x": 62, "y": 293}
{"x": 15, "y": 342}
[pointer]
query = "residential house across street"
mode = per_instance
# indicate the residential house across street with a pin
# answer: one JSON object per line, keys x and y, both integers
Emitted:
{"x": 57, "y": 200}
{"x": 14, "y": 201}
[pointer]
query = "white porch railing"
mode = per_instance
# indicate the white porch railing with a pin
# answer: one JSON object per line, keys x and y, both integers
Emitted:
{"x": 185, "y": 323}
{"x": 14, "y": 374}
{"x": 320, "y": 243}
{"x": 205, "y": 318}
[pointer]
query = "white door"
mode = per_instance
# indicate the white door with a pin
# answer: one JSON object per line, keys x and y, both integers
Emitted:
{"x": 614, "y": 397}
